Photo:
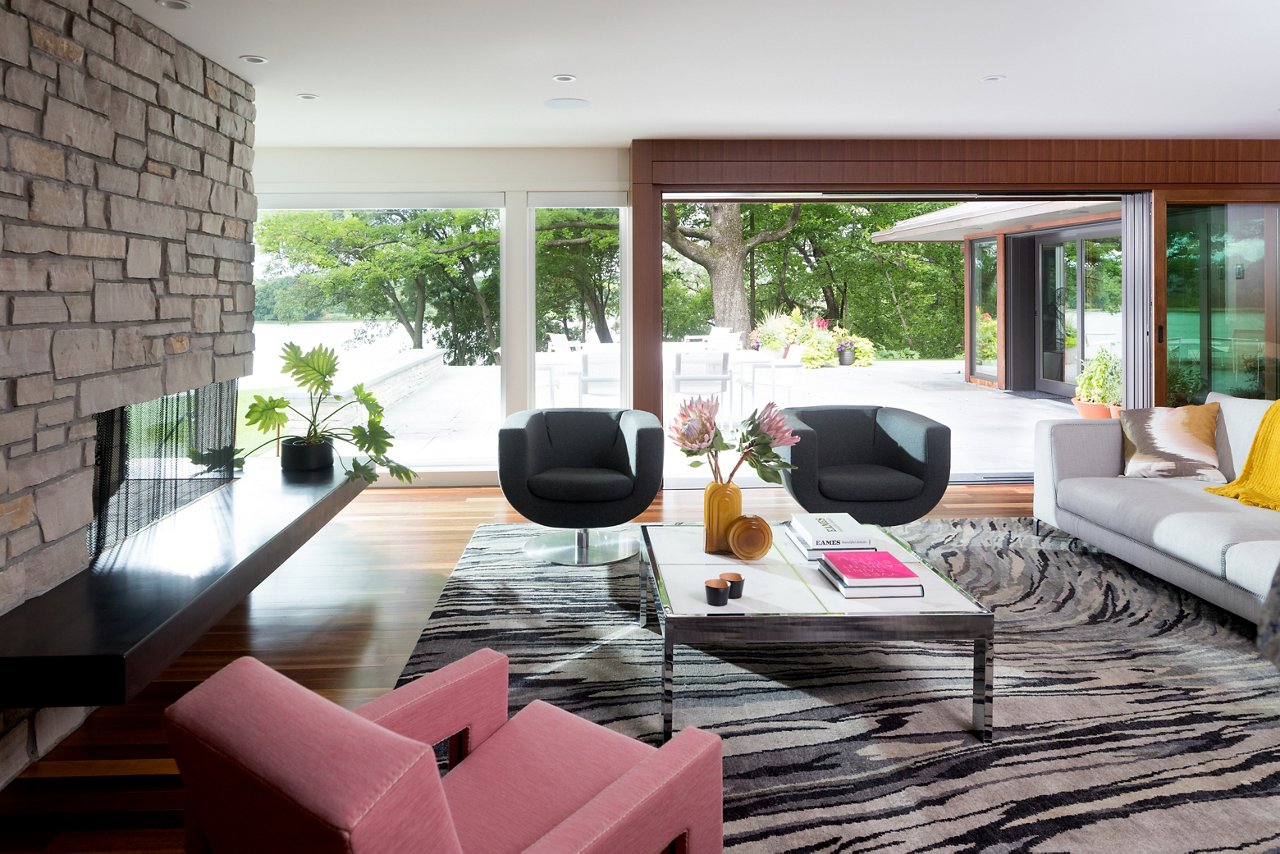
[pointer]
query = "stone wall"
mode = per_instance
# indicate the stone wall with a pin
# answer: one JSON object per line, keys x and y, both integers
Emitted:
{"x": 126, "y": 211}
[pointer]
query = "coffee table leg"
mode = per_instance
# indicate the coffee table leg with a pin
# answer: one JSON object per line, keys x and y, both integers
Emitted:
{"x": 668, "y": 676}
{"x": 983, "y": 686}
{"x": 643, "y": 581}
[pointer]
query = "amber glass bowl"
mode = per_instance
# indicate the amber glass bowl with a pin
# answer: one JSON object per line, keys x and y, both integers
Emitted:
{"x": 750, "y": 537}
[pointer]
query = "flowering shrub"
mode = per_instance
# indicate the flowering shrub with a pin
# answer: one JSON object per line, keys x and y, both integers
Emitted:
{"x": 986, "y": 338}
{"x": 696, "y": 434}
{"x": 777, "y": 331}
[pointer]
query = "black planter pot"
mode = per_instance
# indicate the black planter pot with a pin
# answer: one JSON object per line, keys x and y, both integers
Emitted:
{"x": 297, "y": 455}
{"x": 846, "y": 357}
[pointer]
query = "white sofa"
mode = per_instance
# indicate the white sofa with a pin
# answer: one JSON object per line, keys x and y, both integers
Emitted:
{"x": 1215, "y": 547}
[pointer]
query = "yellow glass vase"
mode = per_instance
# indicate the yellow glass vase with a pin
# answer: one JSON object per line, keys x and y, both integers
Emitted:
{"x": 721, "y": 504}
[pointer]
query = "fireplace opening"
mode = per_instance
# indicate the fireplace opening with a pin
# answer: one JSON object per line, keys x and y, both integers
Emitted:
{"x": 154, "y": 457}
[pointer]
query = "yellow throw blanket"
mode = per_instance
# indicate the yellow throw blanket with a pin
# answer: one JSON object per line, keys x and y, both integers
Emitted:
{"x": 1259, "y": 483}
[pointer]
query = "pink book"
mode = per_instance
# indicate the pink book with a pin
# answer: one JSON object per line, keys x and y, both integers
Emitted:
{"x": 873, "y": 569}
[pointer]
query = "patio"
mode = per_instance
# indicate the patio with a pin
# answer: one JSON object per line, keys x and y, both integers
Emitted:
{"x": 442, "y": 425}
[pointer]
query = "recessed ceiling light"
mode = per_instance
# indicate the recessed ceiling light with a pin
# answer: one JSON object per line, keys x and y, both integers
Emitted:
{"x": 307, "y": 96}
{"x": 174, "y": 4}
{"x": 253, "y": 59}
{"x": 567, "y": 104}
{"x": 992, "y": 78}
{"x": 564, "y": 78}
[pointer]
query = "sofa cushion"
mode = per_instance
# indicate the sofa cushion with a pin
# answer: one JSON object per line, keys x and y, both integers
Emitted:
{"x": 1169, "y": 441}
{"x": 1238, "y": 421}
{"x": 581, "y": 484}
{"x": 1174, "y": 515}
{"x": 867, "y": 482}
{"x": 1252, "y": 565}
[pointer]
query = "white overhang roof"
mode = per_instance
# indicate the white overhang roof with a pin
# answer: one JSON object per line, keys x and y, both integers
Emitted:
{"x": 954, "y": 223}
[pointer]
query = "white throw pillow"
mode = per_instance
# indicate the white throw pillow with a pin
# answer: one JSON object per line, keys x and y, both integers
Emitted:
{"x": 1238, "y": 421}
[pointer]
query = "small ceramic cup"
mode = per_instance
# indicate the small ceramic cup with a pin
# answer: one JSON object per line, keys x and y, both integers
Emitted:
{"x": 735, "y": 583}
{"x": 717, "y": 591}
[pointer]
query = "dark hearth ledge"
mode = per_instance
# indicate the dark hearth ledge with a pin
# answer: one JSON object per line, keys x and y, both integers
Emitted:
{"x": 101, "y": 636}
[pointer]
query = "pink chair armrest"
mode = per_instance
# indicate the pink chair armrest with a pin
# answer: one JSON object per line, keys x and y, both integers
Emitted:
{"x": 677, "y": 791}
{"x": 270, "y": 766}
{"x": 468, "y": 695}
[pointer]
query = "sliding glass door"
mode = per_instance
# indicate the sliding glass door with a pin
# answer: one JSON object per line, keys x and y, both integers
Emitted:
{"x": 1079, "y": 303}
{"x": 1222, "y": 288}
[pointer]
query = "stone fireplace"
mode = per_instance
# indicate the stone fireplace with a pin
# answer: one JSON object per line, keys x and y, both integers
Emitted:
{"x": 126, "y": 211}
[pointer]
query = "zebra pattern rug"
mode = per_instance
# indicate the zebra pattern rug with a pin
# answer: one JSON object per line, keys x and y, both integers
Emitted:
{"x": 1129, "y": 715}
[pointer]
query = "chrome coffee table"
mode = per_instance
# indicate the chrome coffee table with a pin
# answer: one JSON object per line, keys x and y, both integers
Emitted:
{"x": 786, "y": 600}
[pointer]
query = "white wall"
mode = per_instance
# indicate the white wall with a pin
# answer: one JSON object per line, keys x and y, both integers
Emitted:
{"x": 291, "y": 171}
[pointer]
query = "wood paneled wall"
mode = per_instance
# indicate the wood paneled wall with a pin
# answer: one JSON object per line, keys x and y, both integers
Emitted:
{"x": 939, "y": 165}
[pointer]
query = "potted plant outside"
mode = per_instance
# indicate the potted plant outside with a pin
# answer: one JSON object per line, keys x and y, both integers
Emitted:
{"x": 1099, "y": 386}
{"x": 312, "y": 448}
{"x": 854, "y": 349}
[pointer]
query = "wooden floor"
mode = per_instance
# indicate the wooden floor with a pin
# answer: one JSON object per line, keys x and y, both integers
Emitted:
{"x": 340, "y": 617}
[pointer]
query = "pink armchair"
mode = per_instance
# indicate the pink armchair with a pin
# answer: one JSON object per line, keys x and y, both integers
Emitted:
{"x": 270, "y": 766}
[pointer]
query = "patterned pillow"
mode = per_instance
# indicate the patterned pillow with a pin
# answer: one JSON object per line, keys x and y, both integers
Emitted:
{"x": 1170, "y": 441}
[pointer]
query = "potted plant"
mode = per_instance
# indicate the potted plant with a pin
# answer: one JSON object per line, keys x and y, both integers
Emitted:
{"x": 312, "y": 447}
{"x": 1099, "y": 387}
{"x": 854, "y": 349}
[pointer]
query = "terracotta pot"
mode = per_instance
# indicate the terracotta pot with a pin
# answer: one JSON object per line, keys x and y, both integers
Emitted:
{"x": 297, "y": 455}
{"x": 1091, "y": 410}
{"x": 1115, "y": 410}
{"x": 721, "y": 504}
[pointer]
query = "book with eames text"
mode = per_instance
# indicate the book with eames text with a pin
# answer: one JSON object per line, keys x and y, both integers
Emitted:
{"x": 829, "y": 531}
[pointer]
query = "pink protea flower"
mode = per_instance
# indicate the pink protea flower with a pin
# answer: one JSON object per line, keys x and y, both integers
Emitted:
{"x": 694, "y": 427}
{"x": 774, "y": 425}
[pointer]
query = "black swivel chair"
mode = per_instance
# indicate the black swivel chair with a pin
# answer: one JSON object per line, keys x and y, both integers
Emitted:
{"x": 881, "y": 465}
{"x": 581, "y": 469}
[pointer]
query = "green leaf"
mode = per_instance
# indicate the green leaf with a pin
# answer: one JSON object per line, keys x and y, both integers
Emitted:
{"x": 400, "y": 472}
{"x": 372, "y": 439}
{"x": 362, "y": 471}
{"x": 369, "y": 402}
{"x": 267, "y": 414}
{"x": 313, "y": 370}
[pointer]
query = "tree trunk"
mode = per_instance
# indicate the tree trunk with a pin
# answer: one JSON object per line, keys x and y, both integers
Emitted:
{"x": 724, "y": 256}
{"x": 491, "y": 339}
{"x": 598, "y": 318}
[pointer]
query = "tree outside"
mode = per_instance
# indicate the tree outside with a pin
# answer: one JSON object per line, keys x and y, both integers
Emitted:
{"x": 434, "y": 273}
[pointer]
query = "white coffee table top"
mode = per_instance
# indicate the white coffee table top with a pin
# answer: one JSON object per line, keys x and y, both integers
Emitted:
{"x": 783, "y": 581}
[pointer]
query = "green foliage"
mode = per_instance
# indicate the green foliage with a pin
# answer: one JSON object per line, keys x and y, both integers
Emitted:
{"x": 434, "y": 272}
{"x": 314, "y": 371}
{"x": 578, "y": 273}
{"x": 284, "y": 300}
{"x": 884, "y": 355}
{"x": 686, "y": 300}
{"x": 987, "y": 339}
{"x": 905, "y": 296}
{"x": 1100, "y": 380}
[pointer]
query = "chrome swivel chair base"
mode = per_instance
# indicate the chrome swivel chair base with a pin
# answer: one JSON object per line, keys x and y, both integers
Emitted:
{"x": 583, "y": 547}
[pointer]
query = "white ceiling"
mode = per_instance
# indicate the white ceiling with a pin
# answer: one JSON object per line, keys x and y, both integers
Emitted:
{"x": 426, "y": 73}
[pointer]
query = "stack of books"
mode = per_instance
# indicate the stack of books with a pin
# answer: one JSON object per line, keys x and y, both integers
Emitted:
{"x": 869, "y": 575}
{"x": 815, "y": 533}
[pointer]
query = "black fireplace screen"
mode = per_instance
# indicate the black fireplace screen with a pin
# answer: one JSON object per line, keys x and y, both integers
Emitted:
{"x": 152, "y": 458}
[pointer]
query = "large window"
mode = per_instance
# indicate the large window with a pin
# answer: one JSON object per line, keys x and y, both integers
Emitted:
{"x": 579, "y": 342}
{"x": 985, "y": 318}
{"x": 409, "y": 300}
{"x": 1222, "y": 291}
